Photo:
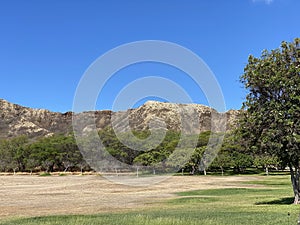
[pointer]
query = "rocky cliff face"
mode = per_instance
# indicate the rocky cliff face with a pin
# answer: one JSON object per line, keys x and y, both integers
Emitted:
{"x": 192, "y": 118}
{"x": 17, "y": 120}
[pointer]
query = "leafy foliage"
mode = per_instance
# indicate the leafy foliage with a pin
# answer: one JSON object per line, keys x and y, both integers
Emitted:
{"x": 58, "y": 152}
{"x": 270, "y": 124}
{"x": 61, "y": 153}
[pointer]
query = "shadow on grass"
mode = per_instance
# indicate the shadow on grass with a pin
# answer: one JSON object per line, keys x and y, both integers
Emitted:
{"x": 282, "y": 201}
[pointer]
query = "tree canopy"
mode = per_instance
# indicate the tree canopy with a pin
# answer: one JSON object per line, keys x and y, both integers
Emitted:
{"x": 270, "y": 123}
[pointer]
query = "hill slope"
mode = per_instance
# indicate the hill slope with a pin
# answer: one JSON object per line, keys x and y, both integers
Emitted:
{"x": 17, "y": 120}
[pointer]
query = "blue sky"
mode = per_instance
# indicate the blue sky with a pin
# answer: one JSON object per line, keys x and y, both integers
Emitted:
{"x": 46, "y": 46}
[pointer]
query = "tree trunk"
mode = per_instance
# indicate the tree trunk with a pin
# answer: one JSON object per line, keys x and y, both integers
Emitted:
{"x": 193, "y": 170}
{"x": 295, "y": 175}
{"x": 50, "y": 168}
{"x": 66, "y": 168}
{"x": 267, "y": 170}
{"x": 222, "y": 169}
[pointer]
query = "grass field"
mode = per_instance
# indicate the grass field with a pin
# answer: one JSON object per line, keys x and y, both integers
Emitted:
{"x": 267, "y": 201}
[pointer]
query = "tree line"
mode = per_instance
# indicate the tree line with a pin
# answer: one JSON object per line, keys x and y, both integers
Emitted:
{"x": 56, "y": 153}
{"x": 61, "y": 153}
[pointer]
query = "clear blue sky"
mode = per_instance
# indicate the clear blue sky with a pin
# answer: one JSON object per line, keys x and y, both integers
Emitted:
{"x": 46, "y": 46}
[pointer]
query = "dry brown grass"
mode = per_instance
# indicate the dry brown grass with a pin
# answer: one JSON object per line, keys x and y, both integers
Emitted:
{"x": 22, "y": 195}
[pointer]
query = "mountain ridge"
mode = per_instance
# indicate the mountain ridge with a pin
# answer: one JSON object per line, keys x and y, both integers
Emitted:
{"x": 16, "y": 120}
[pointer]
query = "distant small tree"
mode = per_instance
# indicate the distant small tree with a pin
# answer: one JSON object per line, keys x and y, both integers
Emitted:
{"x": 241, "y": 161}
{"x": 195, "y": 161}
{"x": 31, "y": 164}
{"x": 179, "y": 159}
{"x": 47, "y": 165}
{"x": 69, "y": 152}
{"x": 82, "y": 165}
{"x": 266, "y": 161}
{"x": 222, "y": 161}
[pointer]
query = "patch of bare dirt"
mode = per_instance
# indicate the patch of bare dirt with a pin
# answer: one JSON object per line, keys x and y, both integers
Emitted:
{"x": 22, "y": 195}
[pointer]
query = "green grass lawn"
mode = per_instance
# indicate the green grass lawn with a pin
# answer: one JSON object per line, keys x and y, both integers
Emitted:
{"x": 267, "y": 204}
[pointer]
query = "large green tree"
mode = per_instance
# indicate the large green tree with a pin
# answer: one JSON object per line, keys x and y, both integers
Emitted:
{"x": 271, "y": 118}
